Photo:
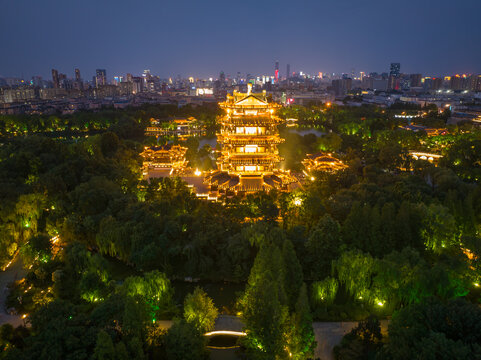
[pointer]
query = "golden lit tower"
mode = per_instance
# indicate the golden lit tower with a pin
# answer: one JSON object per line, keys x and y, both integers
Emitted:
{"x": 249, "y": 139}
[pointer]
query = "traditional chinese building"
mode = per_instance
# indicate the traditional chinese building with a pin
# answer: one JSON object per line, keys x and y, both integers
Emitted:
{"x": 180, "y": 128}
{"x": 169, "y": 159}
{"x": 249, "y": 138}
{"x": 322, "y": 162}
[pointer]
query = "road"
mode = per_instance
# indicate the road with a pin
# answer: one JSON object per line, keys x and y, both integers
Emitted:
{"x": 14, "y": 272}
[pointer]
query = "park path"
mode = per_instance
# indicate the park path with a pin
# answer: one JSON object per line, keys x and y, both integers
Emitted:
{"x": 328, "y": 335}
{"x": 14, "y": 272}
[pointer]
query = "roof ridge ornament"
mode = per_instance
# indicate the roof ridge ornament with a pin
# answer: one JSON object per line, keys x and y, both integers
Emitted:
{"x": 249, "y": 88}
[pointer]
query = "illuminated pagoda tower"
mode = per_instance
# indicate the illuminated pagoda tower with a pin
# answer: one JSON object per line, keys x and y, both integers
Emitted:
{"x": 249, "y": 139}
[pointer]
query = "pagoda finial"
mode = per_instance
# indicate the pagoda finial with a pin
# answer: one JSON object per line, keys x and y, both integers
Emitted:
{"x": 249, "y": 88}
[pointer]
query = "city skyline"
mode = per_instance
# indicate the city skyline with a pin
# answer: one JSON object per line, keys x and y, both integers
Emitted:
{"x": 203, "y": 39}
{"x": 79, "y": 75}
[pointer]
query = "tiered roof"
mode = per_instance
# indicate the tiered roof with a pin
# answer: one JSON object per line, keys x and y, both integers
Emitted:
{"x": 249, "y": 135}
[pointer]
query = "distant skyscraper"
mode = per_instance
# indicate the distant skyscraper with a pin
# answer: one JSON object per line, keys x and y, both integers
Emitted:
{"x": 101, "y": 77}
{"x": 64, "y": 83}
{"x": 432, "y": 83}
{"x": 55, "y": 80}
{"x": 222, "y": 77}
{"x": 415, "y": 80}
{"x": 77, "y": 84}
{"x": 395, "y": 69}
{"x": 437, "y": 83}
{"x": 474, "y": 83}
{"x": 276, "y": 71}
{"x": 457, "y": 83}
{"x": 342, "y": 86}
{"x": 146, "y": 75}
{"x": 393, "y": 82}
{"x": 288, "y": 71}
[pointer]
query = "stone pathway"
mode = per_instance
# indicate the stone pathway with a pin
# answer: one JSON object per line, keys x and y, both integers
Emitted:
{"x": 328, "y": 334}
{"x": 14, "y": 272}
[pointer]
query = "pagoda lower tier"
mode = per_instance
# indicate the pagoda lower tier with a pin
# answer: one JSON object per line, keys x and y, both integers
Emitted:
{"x": 222, "y": 183}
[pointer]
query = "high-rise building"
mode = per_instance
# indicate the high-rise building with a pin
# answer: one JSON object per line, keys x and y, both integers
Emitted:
{"x": 118, "y": 79}
{"x": 475, "y": 82}
{"x": 457, "y": 83}
{"x": 395, "y": 69}
{"x": 342, "y": 86}
{"x": 56, "y": 83}
{"x": 394, "y": 82}
{"x": 64, "y": 83}
{"x": 288, "y": 71}
{"x": 437, "y": 83}
{"x": 415, "y": 80}
{"x": 138, "y": 84}
{"x": 432, "y": 84}
{"x": 147, "y": 76}
{"x": 78, "y": 84}
{"x": 101, "y": 77}
{"x": 367, "y": 83}
{"x": 276, "y": 71}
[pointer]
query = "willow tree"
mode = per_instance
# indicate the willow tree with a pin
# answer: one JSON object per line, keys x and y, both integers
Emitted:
{"x": 200, "y": 311}
{"x": 354, "y": 270}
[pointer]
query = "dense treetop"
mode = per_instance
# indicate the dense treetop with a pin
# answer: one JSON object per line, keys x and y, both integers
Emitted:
{"x": 385, "y": 236}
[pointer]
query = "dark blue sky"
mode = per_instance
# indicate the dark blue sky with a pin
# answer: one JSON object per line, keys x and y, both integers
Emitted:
{"x": 200, "y": 38}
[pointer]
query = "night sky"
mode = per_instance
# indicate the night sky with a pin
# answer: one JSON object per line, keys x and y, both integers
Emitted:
{"x": 200, "y": 38}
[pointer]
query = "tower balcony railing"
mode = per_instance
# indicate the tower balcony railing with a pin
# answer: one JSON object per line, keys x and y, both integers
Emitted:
{"x": 254, "y": 141}
{"x": 233, "y": 133}
{"x": 253, "y": 161}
